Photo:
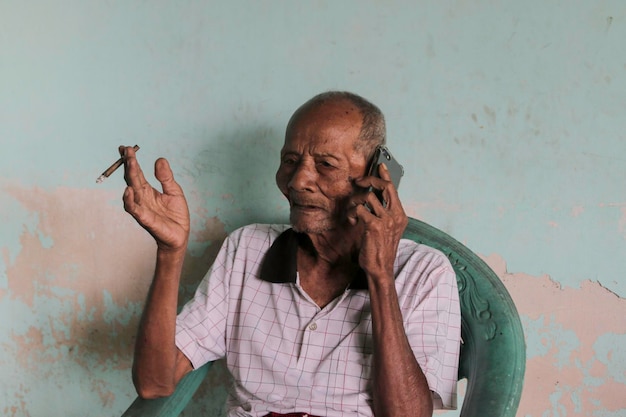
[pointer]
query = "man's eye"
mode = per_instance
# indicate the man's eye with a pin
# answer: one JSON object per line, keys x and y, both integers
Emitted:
{"x": 325, "y": 164}
{"x": 289, "y": 161}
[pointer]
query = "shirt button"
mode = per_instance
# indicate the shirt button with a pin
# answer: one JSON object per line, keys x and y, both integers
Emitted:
{"x": 313, "y": 326}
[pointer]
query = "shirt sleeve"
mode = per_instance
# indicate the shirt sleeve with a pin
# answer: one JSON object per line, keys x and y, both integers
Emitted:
{"x": 433, "y": 325}
{"x": 201, "y": 324}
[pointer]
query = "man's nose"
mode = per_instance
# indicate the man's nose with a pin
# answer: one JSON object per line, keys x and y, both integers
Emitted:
{"x": 303, "y": 177}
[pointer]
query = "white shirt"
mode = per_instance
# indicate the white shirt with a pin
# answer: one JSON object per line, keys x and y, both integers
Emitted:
{"x": 288, "y": 355}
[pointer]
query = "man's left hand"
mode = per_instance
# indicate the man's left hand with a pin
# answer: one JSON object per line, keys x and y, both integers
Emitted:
{"x": 382, "y": 224}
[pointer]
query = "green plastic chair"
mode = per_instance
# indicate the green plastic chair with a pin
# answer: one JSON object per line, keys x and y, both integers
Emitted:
{"x": 493, "y": 351}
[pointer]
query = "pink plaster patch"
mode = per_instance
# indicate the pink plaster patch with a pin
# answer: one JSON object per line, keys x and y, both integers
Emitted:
{"x": 98, "y": 266}
{"x": 589, "y": 312}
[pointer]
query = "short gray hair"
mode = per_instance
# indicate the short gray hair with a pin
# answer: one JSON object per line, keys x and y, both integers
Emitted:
{"x": 373, "y": 131}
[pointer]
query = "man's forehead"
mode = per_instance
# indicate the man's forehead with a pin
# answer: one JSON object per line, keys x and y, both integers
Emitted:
{"x": 314, "y": 147}
{"x": 324, "y": 137}
{"x": 326, "y": 120}
{"x": 338, "y": 150}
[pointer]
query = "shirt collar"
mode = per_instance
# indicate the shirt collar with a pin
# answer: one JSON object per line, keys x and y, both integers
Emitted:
{"x": 280, "y": 262}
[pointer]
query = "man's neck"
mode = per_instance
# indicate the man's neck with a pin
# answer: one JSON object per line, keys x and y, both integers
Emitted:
{"x": 327, "y": 264}
{"x": 336, "y": 246}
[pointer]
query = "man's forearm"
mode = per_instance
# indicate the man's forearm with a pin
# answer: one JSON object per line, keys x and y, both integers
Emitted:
{"x": 399, "y": 385}
{"x": 154, "y": 365}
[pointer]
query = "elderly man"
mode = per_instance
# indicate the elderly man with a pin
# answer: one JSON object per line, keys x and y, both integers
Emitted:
{"x": 334, "y": 315}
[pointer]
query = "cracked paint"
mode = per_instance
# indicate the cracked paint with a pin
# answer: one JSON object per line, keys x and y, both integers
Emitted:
{"x": 75, "y": 302}
{"x": 575, "y": 339}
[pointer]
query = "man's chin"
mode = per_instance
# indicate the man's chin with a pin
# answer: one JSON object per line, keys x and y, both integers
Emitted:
{"x": 308, "y": 229}
{"x": 310, "y": 226}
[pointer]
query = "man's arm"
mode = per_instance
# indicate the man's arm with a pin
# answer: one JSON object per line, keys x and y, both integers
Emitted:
{"x": 399, "y": 384}
{"x": 158, "y": 364}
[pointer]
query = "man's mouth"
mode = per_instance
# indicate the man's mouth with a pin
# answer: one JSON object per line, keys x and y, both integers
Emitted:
{"x": 305, "y": 206}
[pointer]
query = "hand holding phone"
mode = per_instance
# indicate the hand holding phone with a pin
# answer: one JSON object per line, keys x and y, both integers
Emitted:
{"x": 382, "y": 224}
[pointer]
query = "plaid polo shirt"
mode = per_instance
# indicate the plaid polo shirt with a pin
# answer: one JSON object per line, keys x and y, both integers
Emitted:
{"x": 288, "y": 355}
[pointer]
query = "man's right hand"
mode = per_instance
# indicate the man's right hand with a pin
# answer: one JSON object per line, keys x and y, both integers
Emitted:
{"x": 164, "y": 215}
{"x": 158, "y": 363}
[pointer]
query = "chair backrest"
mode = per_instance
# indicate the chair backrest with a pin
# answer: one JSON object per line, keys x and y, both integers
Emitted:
{"x": 493, "y": 352}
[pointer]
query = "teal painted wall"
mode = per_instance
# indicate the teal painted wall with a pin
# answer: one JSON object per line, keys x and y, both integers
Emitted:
{"x": 508, "y": 116}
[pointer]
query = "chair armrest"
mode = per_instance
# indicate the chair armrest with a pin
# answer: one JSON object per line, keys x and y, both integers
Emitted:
{"x": 173, "y": 405}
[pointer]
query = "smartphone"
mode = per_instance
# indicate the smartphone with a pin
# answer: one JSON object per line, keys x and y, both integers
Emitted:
{"x": 396, "y": 171}
{"x": 382, "y": 155}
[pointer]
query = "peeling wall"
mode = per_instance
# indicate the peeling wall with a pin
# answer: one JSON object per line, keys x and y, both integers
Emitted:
{"x": 508, "y": 117}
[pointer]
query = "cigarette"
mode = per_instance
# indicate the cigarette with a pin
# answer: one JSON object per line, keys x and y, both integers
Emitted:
{"x": 113, "y": 167}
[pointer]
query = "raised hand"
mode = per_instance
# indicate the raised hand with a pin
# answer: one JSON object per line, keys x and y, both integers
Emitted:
{"x": 382, "y": 225}
{"x": 165, "y": 214}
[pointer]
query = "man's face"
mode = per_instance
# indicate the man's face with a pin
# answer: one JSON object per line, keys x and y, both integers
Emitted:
{"x": 319, "y": 163}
